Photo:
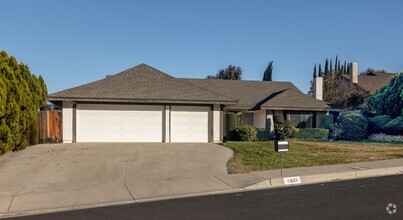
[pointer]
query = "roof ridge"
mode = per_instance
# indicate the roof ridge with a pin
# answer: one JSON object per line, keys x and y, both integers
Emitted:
{"x": 241, "y": 80}
{"x": 199, "y": 87}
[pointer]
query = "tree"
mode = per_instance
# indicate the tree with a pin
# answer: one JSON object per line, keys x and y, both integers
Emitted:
{"x": 371, "y": 70}
{"x": 21, "y": 95}
{"x": 326, "y": 66}
{"x": 387, "y": 100}
{"x": 268, "y": 73}
{"x": 336, "y": 90}
{"x": 314, "y": 71}
{"x": 232, "y": 72}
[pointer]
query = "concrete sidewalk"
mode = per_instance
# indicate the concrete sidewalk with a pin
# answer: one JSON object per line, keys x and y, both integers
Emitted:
{"x": 150, "y": 190}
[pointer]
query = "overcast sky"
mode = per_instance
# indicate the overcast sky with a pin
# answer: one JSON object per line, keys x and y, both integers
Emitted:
{"x": 75, "y": 42}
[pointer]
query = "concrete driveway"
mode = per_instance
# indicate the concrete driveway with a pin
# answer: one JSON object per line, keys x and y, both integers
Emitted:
{"x": 54, "y": 176}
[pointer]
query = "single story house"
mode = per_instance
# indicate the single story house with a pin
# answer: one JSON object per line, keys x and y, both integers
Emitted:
{"x": 143, "y": 104}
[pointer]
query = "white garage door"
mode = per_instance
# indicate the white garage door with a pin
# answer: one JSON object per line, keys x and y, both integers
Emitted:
{"x": 119, "y": 123}
{"x": 189, "y": 124}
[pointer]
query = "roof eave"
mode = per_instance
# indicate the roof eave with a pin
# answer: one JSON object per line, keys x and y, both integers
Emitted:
{"x": 125, "y": 100}
{"x": 295, "y": 108}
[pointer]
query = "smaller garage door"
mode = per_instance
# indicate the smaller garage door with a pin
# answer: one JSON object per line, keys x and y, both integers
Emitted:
{"x": 189, "y": 124}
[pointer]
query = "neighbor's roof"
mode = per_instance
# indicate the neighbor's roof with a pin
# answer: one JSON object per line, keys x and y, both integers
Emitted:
{"x": 372, "y": 81}
{"x": 141, "y": 83}
{"x": 261, "y": 94}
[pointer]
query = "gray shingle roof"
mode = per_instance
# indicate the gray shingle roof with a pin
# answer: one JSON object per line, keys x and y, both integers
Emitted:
{"x": 261, "y": 94}
{"x": 141, "y": 83}
{"x": 144, "y": 84}
{"x": 373, "y": 81}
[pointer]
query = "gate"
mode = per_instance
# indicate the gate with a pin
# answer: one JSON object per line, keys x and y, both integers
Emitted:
{"x": 50, "y": 127}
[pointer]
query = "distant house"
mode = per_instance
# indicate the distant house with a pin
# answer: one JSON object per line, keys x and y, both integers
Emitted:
{"x": 366, "y": 85}
{"x": 370, "y": 83}
{"x": 143, "y": 104}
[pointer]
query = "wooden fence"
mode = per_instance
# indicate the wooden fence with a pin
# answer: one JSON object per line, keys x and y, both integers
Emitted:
{"x": 50, "y": 127}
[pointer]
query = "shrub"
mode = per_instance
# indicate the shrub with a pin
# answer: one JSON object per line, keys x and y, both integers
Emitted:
{"x": 247, "y": 133}
{"x": 327, "y": 122}
{"x": 336, "y": 131}
{"x": 353, "y": 127}
{"x": 394, "y": 127}
{"x": 278, "y": 119}
{"x": 282, "y": 130}
{"x": 295, "y": 132}
{"x": 314, "y": 133}
{"x": 230, "y": 126}
{"x": 385, "y": 138}
{"x": 262, "y": 134}
{"x": 387, "y": 100}
{"x": 377, "y": 123}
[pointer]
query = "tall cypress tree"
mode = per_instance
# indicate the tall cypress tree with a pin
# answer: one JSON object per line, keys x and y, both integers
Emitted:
{"x": 268, "y": 72}
{"x": 331, "y": 70}
{"x": 335, "y": 63}
{"x": 320, "y": 73}
{"x": 314, "y": 71}
{"x": 326, "y": 67}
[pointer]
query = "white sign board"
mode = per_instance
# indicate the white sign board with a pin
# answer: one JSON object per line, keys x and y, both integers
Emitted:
{"x": 292, "y": 180}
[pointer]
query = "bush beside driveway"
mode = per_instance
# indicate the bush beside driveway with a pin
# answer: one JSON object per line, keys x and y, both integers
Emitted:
{"x": 255, "y": 156}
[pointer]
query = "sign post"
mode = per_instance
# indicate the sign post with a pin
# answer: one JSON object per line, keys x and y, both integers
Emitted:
{"x": 281, "y": 146}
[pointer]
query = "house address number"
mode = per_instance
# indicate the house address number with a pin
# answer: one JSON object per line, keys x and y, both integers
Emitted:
{"x": 292, "y": 180}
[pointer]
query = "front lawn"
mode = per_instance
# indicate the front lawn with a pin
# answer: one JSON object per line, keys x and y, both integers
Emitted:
{"x": 253, "y": 156}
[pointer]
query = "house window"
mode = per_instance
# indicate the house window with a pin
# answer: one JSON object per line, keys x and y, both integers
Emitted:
{"x": 302, "y": 120}
{"x": 247, "y": 119}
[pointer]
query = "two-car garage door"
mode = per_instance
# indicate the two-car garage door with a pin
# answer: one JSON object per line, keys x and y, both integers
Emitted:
{"x": 140, "y": 123}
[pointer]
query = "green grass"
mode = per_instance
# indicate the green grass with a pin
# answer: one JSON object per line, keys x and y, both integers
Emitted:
{"x": 253, "y": 156}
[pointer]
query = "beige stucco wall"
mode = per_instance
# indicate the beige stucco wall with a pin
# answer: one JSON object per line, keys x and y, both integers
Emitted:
{"x": 259, "y": 119}
{"x": 67, "y": 122}
{"x": 216, "y": 123}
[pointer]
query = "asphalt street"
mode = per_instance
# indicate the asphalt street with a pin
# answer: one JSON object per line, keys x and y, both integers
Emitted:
{"x": 355, "y": 199}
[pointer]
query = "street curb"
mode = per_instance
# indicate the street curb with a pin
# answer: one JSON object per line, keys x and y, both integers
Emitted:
{"x": 328, "y": 177}
{"x": 265, "y": 184}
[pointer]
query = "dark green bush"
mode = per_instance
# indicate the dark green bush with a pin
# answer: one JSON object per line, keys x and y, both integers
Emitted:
{"x": 327, "y": 122}
{"x": 353, "y": 127}
{"x": 394, "y": 127}
{"x": 247, "y": 133}
{"x": 377, "y": 123}
{"x": 282, "y": 128}
{"x": 262, "y": 134}
{"x": 313, "y": 133}
{"x": 278, "y": 119}
{"x": 230, "y": 127}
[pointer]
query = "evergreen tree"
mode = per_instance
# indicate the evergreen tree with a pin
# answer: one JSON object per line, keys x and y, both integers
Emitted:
{"x": 268, "y": 73}
{"x": 314, "y": 71}
{"x": 335, "y": 63}
{"x": 331, "y": 70}
{"x": 320, "y": 73}
{"x": 326, "y": 67}
{"x": 21, "y": 96}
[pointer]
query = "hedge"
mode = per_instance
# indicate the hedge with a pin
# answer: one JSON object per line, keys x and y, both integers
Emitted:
{"x": 327, "y": 122}
{"x": 377, "y": 123}
{"x": 353, "y": 127}
{"x": 394, "y": 127}
{"x": 313, "y": 133}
